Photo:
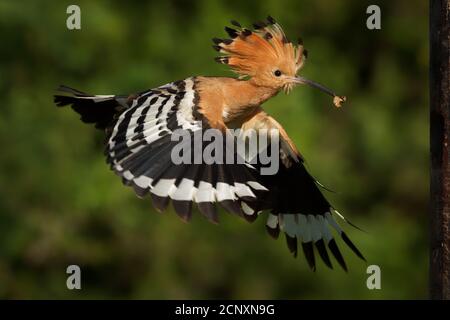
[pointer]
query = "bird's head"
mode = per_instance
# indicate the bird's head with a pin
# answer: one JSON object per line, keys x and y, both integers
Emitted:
{"x": 266, "y": 57}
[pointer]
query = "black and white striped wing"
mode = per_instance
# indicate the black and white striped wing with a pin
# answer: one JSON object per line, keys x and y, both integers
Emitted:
{"x": 296, "y": 204}
{"x": 299, "y": 210}
{"x": 140, "y": 151}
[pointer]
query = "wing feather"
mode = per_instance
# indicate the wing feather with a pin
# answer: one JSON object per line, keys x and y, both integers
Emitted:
{"x": 297, "y": 206}
{"x": 140, "y": 149}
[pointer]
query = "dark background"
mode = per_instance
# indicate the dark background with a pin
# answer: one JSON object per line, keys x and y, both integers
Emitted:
{"x": 61, "y": 205}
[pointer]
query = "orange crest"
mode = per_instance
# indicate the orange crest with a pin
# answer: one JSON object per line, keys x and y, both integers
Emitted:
{"x": 260, "y": 52}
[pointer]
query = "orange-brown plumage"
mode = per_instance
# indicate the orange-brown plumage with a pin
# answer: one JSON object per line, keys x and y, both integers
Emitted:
{"x": 266, "y": 62}
{"x": 227, "y": 99}
{"x": 259, "y": 53}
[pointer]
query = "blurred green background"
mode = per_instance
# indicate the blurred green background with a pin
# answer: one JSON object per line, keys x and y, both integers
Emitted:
{"x": 60, "y": 204}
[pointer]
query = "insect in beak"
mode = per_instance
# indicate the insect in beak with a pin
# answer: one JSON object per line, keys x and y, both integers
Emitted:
{"x": 337, "y": 100}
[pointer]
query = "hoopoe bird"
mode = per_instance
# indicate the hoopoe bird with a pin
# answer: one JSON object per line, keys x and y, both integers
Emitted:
{"x": 140, "y": 129}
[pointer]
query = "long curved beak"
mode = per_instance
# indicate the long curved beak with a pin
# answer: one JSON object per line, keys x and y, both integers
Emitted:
{"x": 337, "y": 100}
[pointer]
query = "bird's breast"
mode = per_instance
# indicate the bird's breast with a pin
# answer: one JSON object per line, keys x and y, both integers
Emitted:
{"x": 229, "y": 100}
{"x": 231, "y": 115}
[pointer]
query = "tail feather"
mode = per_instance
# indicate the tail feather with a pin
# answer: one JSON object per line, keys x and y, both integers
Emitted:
{"x": 97, "y": 109}
{"x": 63, "y": 88}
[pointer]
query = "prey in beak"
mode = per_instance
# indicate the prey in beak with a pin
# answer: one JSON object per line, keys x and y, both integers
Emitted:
{"x": 337, "y": 100}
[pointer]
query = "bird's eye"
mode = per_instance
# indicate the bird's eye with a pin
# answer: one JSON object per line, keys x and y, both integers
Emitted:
{"x": 277, "y": 73}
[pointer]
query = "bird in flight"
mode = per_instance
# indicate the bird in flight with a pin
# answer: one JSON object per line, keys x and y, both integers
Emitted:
{"x": 140, "y": 143}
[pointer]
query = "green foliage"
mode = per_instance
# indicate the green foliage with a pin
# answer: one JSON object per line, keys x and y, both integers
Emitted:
{"x": 61, "y": 205}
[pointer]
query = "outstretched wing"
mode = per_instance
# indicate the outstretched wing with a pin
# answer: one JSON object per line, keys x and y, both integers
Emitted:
{"x": 141, "y": 150}
{"x": 147, "y": 130}
{"x": 297, "y": 206}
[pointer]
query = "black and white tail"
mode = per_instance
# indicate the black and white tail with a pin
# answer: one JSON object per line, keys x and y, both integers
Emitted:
{"x": 100, "y": 110}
